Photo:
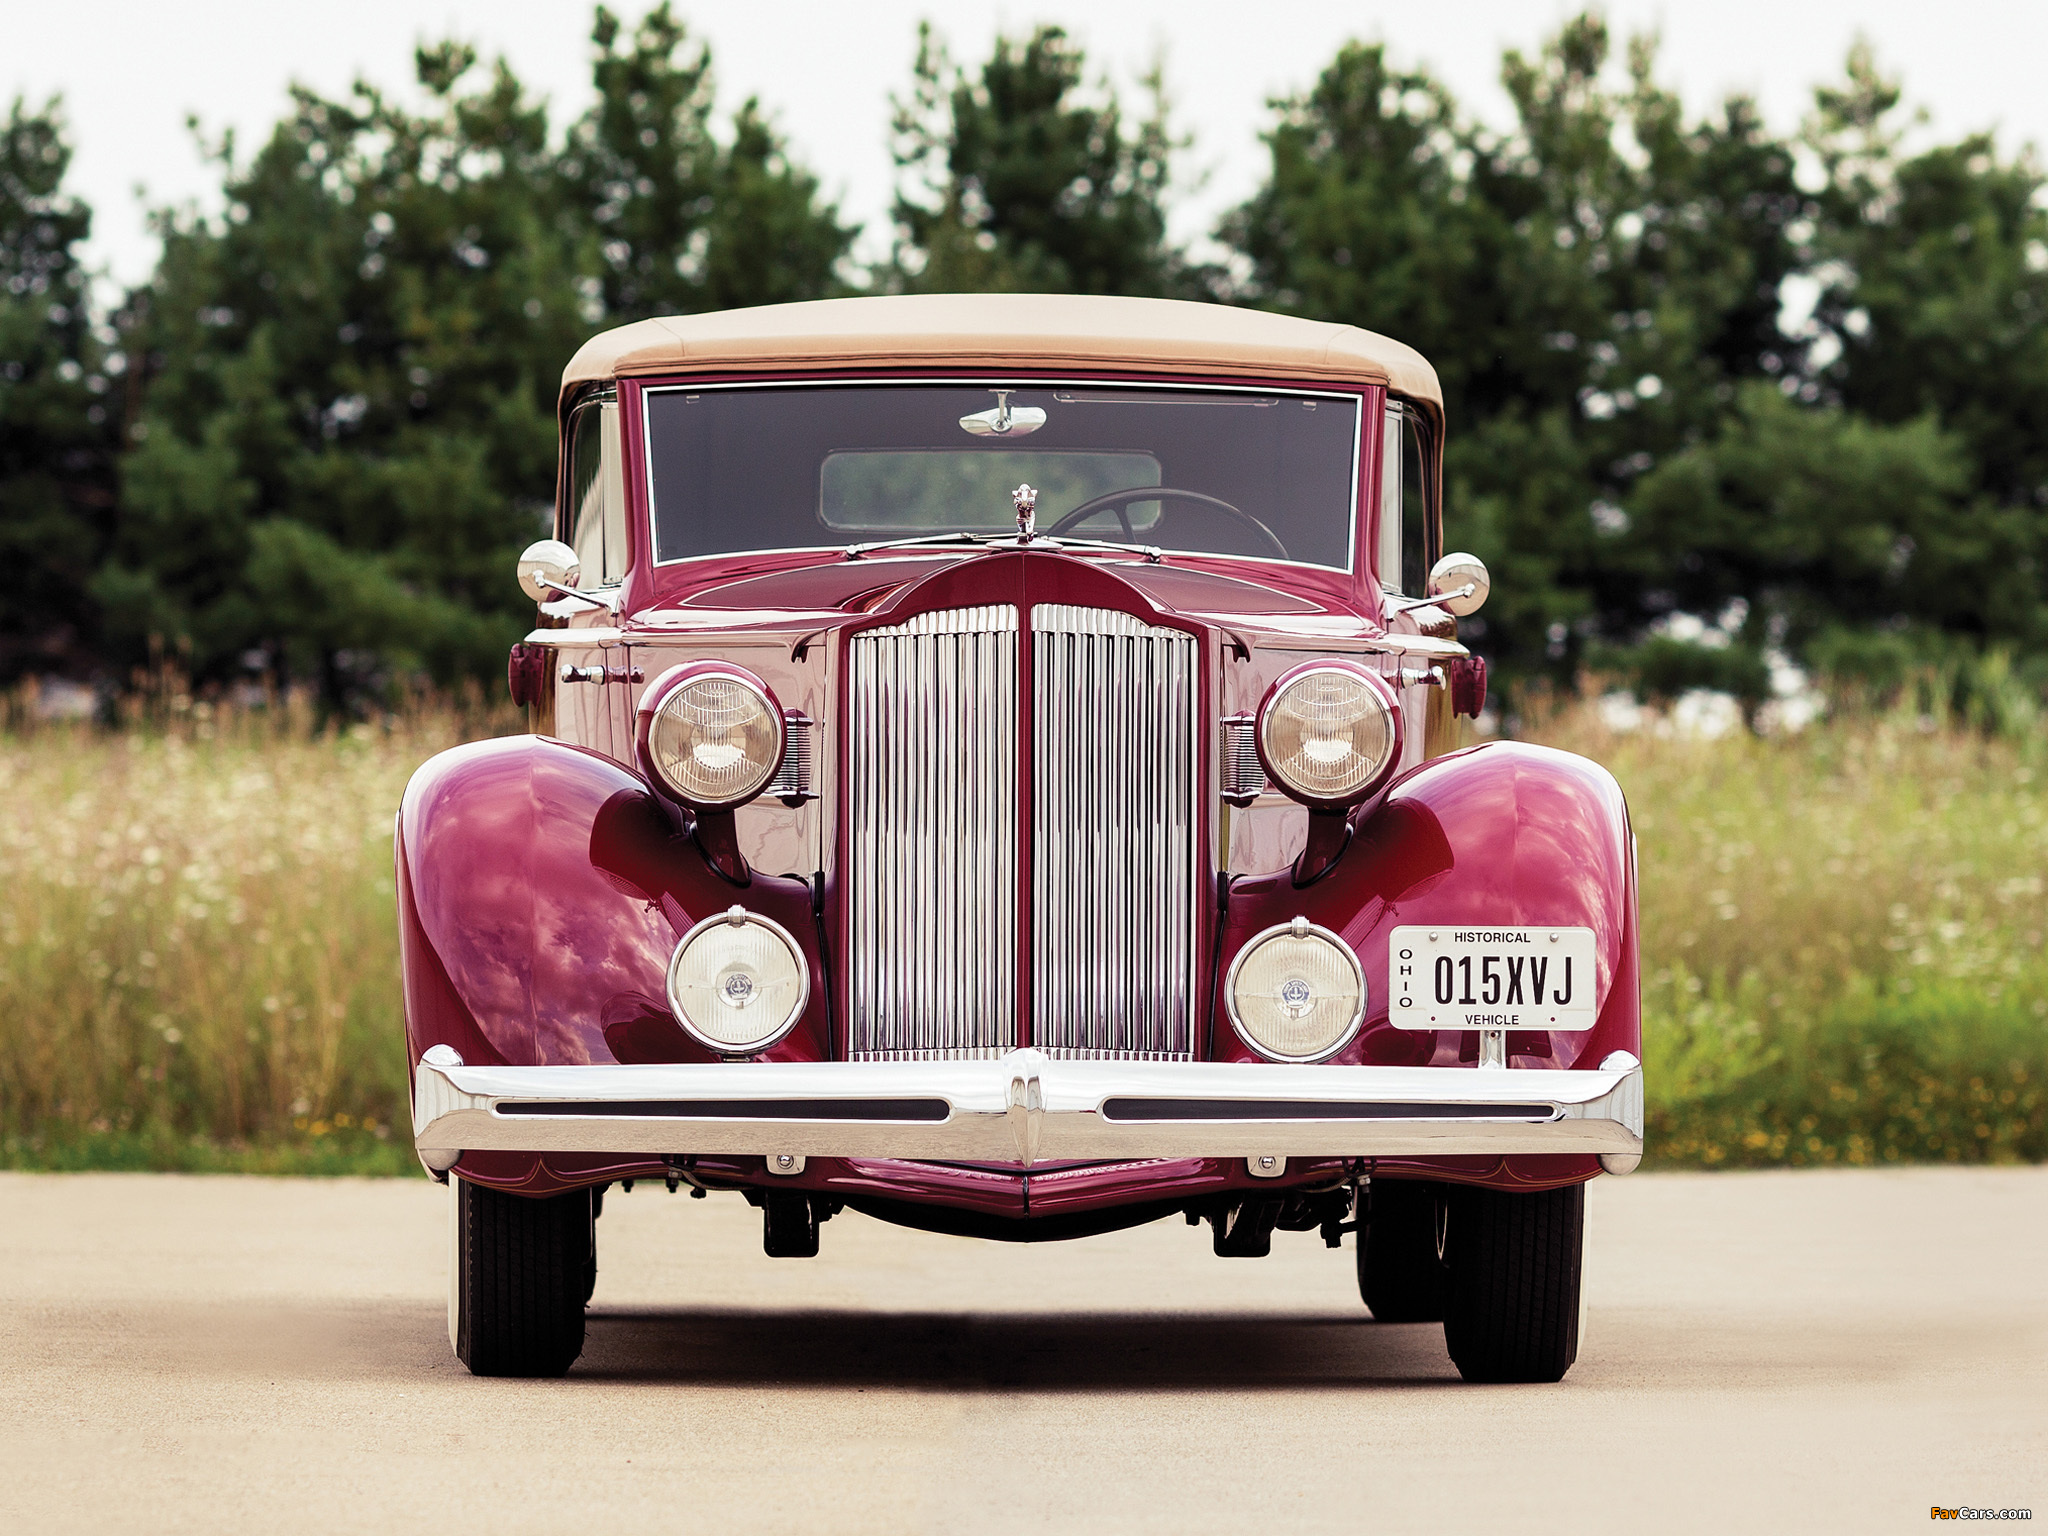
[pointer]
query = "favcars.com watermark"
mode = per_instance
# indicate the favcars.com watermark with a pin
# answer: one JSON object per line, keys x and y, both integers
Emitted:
{"x": 1964, "y": 1512}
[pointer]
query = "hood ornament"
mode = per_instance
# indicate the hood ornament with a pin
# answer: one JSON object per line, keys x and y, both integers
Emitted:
{"x": 1026, "y": 500}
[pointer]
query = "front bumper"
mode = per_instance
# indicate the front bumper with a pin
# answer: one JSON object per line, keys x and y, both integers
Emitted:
{"x": 1027, "y": 1108}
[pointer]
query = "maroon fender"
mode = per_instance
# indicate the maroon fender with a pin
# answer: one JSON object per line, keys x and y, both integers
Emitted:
{"x": 542, "y": 891}
{"x": 1500, "y": 834}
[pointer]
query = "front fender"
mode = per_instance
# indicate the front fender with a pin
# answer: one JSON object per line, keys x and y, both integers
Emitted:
{"x": 541, "y": 893}
{"x": 1503, "y": 834}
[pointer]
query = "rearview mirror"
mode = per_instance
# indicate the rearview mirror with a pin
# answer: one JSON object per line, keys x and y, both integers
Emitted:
{"x": 1003, "y": 419}
{"x": 547, "y": 567}
{"x": 1459, "y": 583}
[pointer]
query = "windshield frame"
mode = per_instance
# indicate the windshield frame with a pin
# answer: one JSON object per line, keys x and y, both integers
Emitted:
{"x": 1357, "y": 400}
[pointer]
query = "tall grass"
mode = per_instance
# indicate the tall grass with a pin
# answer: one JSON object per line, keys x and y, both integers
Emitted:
{"x": 1843, "y": 935}
{"x": 198, "y": 959}
{"x": 1843, "y": 939}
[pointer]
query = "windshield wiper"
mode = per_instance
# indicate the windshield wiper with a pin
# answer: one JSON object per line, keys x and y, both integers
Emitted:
{"x": 1027, "y": 535}
{"x": 1152, "y": 553}
{"x": 855, "y": 551}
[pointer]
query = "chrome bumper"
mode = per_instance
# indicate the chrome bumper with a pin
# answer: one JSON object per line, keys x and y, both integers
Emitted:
{"x": 1026, "y": 1108}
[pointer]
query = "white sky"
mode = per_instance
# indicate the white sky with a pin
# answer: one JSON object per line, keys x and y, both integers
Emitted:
{"x": 132, "y": 70}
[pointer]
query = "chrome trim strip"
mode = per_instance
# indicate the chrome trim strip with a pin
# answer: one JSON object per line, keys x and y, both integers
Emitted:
{"x": 1412, "y": 645}
{"x": 1024, "y": 1108}
{"x": 576, "y": 637}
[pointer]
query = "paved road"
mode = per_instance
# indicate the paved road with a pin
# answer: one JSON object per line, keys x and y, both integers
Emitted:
{"x": 1831, "y": 1351}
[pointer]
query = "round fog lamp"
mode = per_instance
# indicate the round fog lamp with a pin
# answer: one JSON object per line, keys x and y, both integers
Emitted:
{"x": 715, "y": 739}
{"x": 1296, "y": 992}
{"x": 738, "y": 982}
{"x": 1329, "y": 733}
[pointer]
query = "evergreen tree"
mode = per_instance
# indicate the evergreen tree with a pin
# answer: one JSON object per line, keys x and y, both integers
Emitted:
{"x": 682, "y": 221}
{"x": 1933, "y": 309}
{"x": 1593, "y": 287}
{"x": 1012, "y": 180}
{"x": 1817, "y": 518}
{"x": 349, "y": 426}
{"x": 329, "y": 422}
{"x": 56, "y": 426}
{"x": 1880, "y": 474}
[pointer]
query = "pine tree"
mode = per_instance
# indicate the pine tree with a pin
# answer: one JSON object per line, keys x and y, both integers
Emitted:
{"x": 56, "y": 424}
{"x": 1012, "y": 179}
{"x": 349, "y": 425}
{"x": 683, "y": 221}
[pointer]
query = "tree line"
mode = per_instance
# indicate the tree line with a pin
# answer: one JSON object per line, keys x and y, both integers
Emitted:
{"x": 1715, "y": 393}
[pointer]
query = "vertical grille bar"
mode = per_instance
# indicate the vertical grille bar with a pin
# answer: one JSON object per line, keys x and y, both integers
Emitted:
{"x": 1113, "y": 841}
{"x": 932, "y": 836}
{"x": 934, "y": 827}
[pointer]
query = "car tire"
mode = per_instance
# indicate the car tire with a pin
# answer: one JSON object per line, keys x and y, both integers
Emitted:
{"x": 1512, "y": 1313}
{"x": 522, "y": 1270}
{"x": 1402, "y": 1277}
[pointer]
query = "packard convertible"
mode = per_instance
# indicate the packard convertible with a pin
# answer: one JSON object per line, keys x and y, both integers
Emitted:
{"x": 999, "y": 765}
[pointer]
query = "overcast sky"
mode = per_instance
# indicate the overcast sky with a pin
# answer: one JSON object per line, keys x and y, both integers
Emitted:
{"x": 131, "y": 71}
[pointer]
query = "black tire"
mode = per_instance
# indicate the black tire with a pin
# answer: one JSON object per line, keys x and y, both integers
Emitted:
{"x": 1515, "y": 1260}
{"x": 524, "y": 1269}
{"x": 1402, "y": 1276}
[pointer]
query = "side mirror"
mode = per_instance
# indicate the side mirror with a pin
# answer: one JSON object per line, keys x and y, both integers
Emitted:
{"x": 547, "y": 568}
{"x": 1459, "y": 583}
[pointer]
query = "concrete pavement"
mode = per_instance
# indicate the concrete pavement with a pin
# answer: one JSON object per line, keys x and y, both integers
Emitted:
{"x": 1826, "y": 1351}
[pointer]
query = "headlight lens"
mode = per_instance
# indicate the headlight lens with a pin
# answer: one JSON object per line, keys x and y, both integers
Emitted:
{"x": 1328, "y": 734}
{"x": 738, "y": 982}
{"x": 1296, "y": 993}
{"x": 715, "y": 739}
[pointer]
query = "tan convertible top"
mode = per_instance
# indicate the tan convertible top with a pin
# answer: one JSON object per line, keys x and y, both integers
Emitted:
{"x": 1008, "y": 330}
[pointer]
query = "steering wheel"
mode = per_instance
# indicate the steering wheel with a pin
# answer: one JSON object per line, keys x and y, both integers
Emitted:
{"x": 1120, "y": 501}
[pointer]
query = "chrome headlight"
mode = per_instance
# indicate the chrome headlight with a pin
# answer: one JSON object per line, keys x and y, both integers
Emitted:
{"x": 737, "y": 982}
{"x": 1296, "y": 992}
{"x": 1328, "y": 733}
{"x": 711, "y": 734}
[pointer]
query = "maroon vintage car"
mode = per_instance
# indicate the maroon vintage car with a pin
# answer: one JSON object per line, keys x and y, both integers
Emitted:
{"x": 995, "y": 767}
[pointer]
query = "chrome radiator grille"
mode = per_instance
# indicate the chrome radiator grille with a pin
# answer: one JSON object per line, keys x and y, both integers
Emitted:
{"x": 1113, "y": 840}
{"x": 932, "y": 837}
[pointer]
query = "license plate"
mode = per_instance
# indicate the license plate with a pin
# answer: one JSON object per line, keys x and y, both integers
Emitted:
{"x": 1490, "y": 978}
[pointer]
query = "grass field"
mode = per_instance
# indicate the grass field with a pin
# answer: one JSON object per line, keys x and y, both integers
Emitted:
{"x": 1843, "y": 941}
{"x": 198, "y": 962}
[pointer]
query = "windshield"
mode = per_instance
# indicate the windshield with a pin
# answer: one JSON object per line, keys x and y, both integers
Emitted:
{"x": 1268, "y": 475}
